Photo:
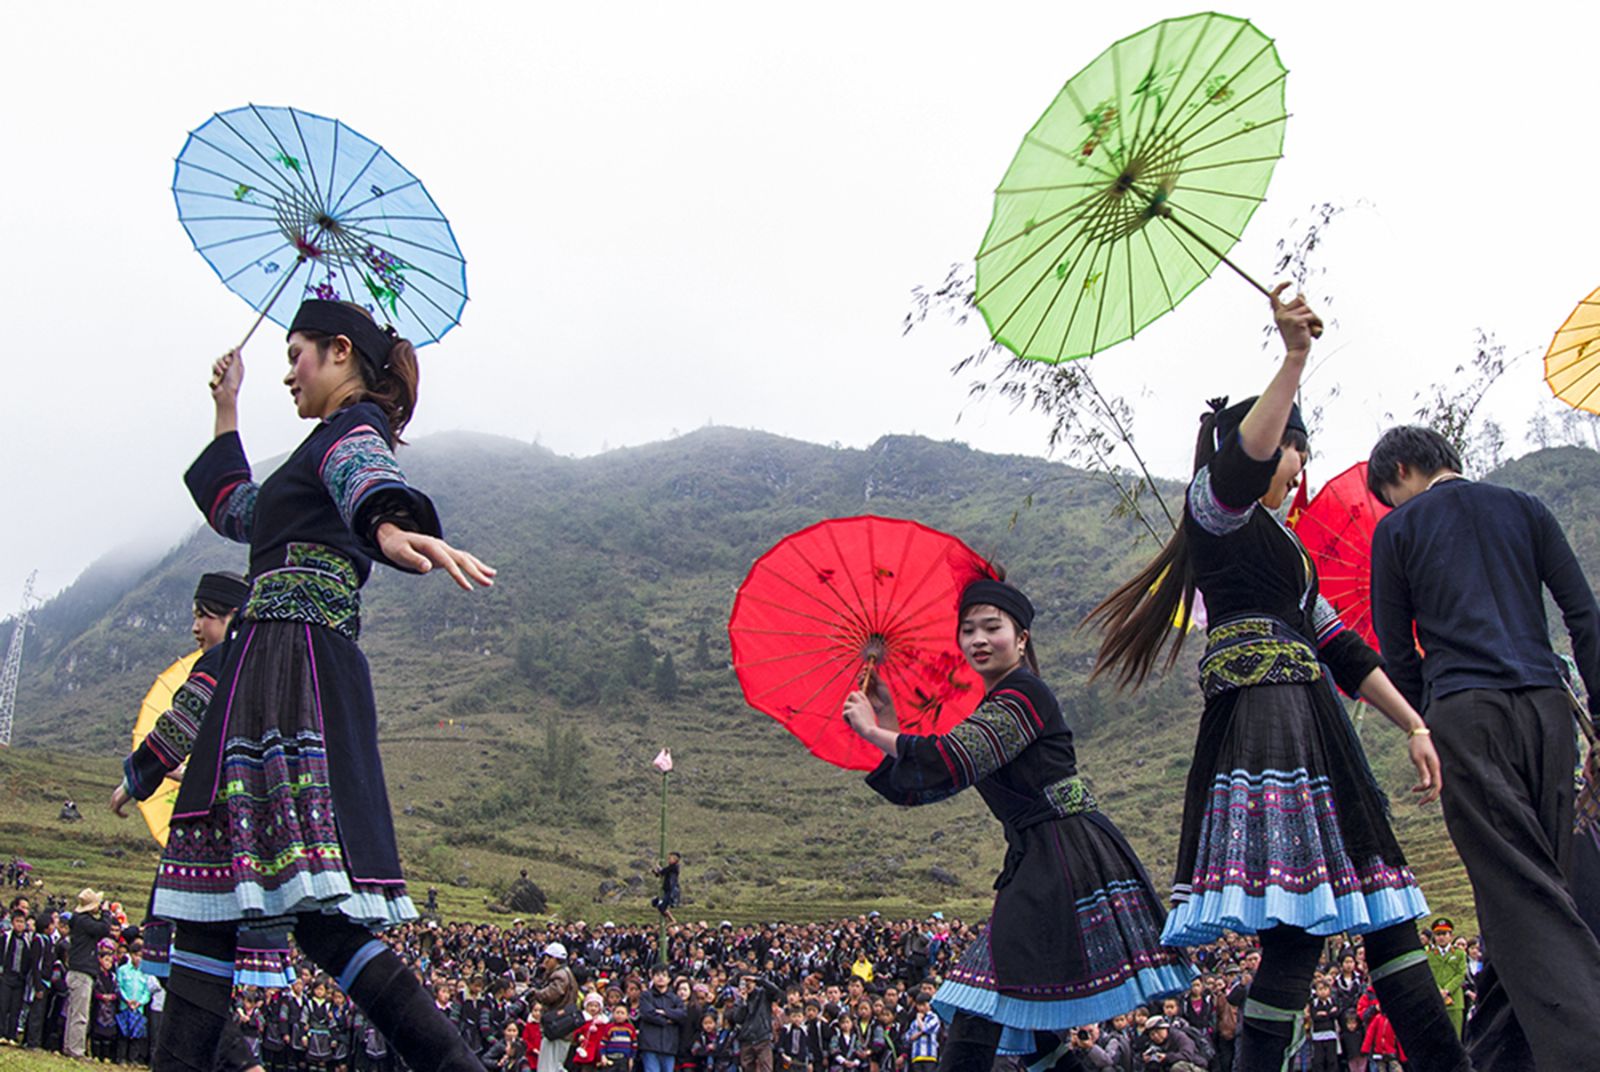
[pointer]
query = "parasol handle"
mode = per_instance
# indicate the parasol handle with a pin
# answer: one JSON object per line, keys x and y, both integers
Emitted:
{"x": 265, "y": 309}
{"x": 866, "y": 673}
{"x": 1166, "y": 213}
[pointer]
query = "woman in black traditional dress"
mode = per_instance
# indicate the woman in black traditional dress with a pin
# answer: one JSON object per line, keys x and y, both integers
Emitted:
{"x": 1074, "y": 935}
{"x": 283, "y": 818}
{"x": 1285, "y": 833}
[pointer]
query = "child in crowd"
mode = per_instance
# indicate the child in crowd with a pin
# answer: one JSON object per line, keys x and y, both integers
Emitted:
{"x": 621, "y": 1041}
{"x": 133, "y": 988}
{"x": 922, "y": 1039}
{"x": 319, "y": 1027}
{"x": 1351, "y": 1036}
{"x": 1324, "y": 1017}
{"x": 251, "y": 1021}
{"x": 882, "y": 1046}
{"x": 339, "y": 1027}
{"x": 104, "y": 998}
{"x": 843, "y": 1051}
{"x": 590, "y": 1035}
{"x": 792, "y": 1052}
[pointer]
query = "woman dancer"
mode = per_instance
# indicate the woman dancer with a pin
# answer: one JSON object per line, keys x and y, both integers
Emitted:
{"x": 1285, "y": 833}
{"x": 1073, "y": 938}
{"x": 283, "y": 816}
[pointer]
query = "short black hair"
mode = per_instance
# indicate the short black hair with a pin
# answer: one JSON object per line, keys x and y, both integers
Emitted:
{"x": 1420, "y": 449}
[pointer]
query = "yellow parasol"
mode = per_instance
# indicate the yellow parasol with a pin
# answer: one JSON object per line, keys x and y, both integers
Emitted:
{"x": 1572, "y": 364}
{"x": 157, "y": 811}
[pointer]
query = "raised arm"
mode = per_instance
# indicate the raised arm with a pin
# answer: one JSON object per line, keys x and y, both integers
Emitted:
{"x": 219, "y": 480}
{"x": 1262, "y": 429}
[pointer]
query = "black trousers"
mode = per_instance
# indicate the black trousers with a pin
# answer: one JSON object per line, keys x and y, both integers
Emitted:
{"x": 11, "y": 991}
{"x": 1508, "y": 758}
{"x": 38, "y": 1016}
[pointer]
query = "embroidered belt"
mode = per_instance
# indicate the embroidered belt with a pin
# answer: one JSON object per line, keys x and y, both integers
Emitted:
{"x": 1070, "y": 796}
{"x": 1255, "y": 651}
{"x": 316, "y": 585}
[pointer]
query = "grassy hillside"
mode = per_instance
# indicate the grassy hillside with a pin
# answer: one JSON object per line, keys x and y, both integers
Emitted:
{"x": 518, "y": 723}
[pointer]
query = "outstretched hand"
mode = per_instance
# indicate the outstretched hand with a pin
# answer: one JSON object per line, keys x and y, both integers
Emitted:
{"x": 1296, "y": 322}
{"x": 1426, "y": 760}
{"x": 416, "y": 551}
{"x": 120, "y": 799}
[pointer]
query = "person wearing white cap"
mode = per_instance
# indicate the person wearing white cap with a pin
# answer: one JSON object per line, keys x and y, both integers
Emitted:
{"x": 559, "y": 1016}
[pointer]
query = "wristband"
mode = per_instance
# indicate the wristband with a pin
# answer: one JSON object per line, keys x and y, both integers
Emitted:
{"x": 1421, "y": 731}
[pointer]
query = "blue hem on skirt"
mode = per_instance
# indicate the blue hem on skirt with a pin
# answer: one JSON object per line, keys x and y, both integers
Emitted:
{"x": 279, "y": 980}
{"x": 327, "y": 892}
{"x": 1203, "y": 917}
{"x": 1022, "y": 1018}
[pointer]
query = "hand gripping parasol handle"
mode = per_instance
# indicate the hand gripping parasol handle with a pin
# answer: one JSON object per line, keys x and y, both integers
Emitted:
{"x": 1165, "y": 211}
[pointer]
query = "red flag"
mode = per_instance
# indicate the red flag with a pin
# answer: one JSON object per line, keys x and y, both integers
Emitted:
{"x": 1302, "y": 499}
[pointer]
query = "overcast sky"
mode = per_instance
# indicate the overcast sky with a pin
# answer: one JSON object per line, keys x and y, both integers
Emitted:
{"x": 682, "y": 213}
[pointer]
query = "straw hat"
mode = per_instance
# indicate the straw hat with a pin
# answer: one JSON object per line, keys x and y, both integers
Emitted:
{"x": 89, "y": 900}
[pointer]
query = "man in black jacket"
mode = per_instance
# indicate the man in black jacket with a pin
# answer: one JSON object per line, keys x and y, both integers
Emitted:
{"x": 18, "y": 953}
{"x": 44, "y": 1009}
{"x": 661, "y": 1023}
{"x": 753, "y": 1015}
{"x": 1466, "y": 565}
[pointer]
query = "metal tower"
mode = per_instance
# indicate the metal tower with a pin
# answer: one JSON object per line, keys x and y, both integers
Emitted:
{"x": 13, "y": 668}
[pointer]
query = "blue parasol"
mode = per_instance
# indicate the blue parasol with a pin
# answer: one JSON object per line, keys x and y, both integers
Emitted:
{"x": 276, "y": 199}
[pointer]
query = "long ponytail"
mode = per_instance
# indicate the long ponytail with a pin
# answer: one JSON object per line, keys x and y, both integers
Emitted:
{"x": 394, "y": 386}
{"x": 1151, "y": 612}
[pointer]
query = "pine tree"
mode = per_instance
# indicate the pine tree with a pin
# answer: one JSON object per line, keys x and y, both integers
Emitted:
{"x": 637, "y": 664}
{"x": 666, "y": 683}
{"x": 702, "y": 651}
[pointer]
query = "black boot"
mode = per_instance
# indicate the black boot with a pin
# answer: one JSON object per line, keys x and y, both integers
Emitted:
{"x": 1411, "y": 1001}
{"x": 970, "y": 1045}
{"x": 400, "y": 1008}
{"x": 189, "y": 1035}
{"x": 1261, "y": 1044}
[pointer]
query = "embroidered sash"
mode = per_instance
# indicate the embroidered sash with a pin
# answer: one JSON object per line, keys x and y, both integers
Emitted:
{"x": 1255, "y": 651}
{"x": 316, "y": 585}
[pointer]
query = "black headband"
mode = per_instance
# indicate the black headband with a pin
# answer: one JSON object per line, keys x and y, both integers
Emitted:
{"x": 1228, "y": 418}
{"x": 336, "y": 318}
{"x": 1002, "y": 595}
{"x": 222, "y": 589}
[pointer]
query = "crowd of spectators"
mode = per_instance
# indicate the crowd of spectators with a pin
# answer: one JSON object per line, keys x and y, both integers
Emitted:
{"x": 848, "y": 995}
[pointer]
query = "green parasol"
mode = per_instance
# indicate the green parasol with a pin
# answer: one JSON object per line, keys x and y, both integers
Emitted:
{"x": 1132, "y": 187}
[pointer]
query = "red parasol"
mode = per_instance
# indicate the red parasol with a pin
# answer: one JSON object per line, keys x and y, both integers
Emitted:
{"x": 1336, "y": 530}
{"x": 842, "y": 599}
